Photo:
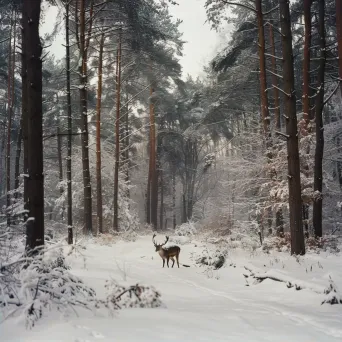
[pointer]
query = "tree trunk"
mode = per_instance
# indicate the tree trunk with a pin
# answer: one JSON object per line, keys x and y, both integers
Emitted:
{"x": 35, "y": 186}
{"x": 295, "y": 201}
{"x": 306, "y": 220}
{"x": 339, "y": 39}
{"x": 318, "y": 169}
{"x": 306, "y": 91}
{"x": 9, "y": 123}
{"x": 84, "y": 121}
{"x": 117, "y": 137}
{"x": 262, "y": 65}
{"x": 275, "y": 81}
{"x": 17, "y": 159}
{"x": 153, "y": 161}
{"x": 2, "y": 146}
{"x": 98, "y": 140}
{"x": 161, "y": 209}
{"x": 148, "y": 190}
{"x": 279, "y": 222}
{"x": 24, "y": 111}
{"x": 60, "y": 161}
{"x": 127, "y": 148}
{"x": 306, "y": 62}
{"x": 69, "y": 145}
{"x": 174, "y": 200}
{"x": 184, "y": 211}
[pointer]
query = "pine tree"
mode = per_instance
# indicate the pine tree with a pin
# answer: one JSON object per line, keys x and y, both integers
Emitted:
{"x": 35, "y": 179}
{"x": 295, "y": 200}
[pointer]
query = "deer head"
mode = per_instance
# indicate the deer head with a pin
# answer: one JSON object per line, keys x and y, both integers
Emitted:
{"x": 159, "y": 246}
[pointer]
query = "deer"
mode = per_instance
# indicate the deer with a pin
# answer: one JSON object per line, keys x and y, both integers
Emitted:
{"x": 167, "y": 253}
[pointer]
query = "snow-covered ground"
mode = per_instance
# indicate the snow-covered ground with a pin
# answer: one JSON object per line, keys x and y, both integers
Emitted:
{"x": 200, "y": 305}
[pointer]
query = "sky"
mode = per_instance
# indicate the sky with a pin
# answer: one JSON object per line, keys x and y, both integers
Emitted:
{"x": 201, "y": 41}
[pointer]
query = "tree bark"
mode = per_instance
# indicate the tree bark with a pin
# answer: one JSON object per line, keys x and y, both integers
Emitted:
{"x": 148, "y": 190}
{"x": 127, "y": 148}
{"x": 275, "y": 81}
{"x": 184, "y": 211}
{"x": 306, "y": 62}
{"x": 174, "y": 200}
{"x": 117, "y": 137}
{"x": 2, "y": 148}
{"x": 153, "y": 161}
{"x": 339, "y": 39}
{"x": 24, "y": 110}
{"x": 88, "y": 225}
{"x": 9, "y": 123}
{"x": 318, "y": 169}
{"x": 17, "y": 159}
{"x": 69, "y": 144}
{"x": 98, "y": 140}
{"x": 262, "y": 65}
{"x": 60, "y": 161}
{"x": 306, "y": 91}
{"x": 161, "y": 209}
{"x": 295, "y": 201}
{"x": 35, "y": 183}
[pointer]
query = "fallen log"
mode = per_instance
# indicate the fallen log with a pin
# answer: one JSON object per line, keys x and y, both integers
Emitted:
{"x": 332, "y": 295}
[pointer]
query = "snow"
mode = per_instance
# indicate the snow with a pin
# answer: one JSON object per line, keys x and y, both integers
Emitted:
{"x": 198, "y": 305}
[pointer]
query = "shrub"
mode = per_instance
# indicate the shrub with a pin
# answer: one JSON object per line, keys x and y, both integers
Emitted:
{"x": 186, "y": 229}
{"x": 136, "y": 296}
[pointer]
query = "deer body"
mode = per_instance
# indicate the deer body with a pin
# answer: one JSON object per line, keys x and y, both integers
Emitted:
{"x": 167, "y": 253}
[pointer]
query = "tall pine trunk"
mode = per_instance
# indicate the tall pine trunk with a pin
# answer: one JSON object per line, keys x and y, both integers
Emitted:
{"x": 69, "y": 143}
{"x": 161, "y": 209}
{"x": 306, "y": 91}
{"x": 17, "y": 158}
{"x": 174, "y": 200}
{"x": 318, "y": 169}
{"x": 117, "y": 137}
{"x": 2, "y": 147}
{"x": 148, "y": 190}
{"x": 339, "y": 39}
{"x": 60, "y": 161}
{"x": 9, "y": 122}
{"x": 127, "y": 148}
{"x": 83, "y": 70}
{"x": 306, "y": 61}
{"x": 275, "y": 80}
{"x": 24, "y": 110}
{"x": 153, "y": 165}
{"x": 295, "y": 201}
{"x": 35, "y": 182}
{"x": 98, "y": 140}
{"x": 262, "y": 66}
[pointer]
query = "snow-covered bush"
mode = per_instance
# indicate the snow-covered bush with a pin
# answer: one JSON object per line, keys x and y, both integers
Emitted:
{"x": 136, "y": 296}
{"x": 186, "y": 229}
{"x": 37, "y": 284}
{"x": 179, "y": 240}
{"x": 128, "y": 235}
{"x": 332, "y": 294}
{"x": 214, "y": 259}
{"x": 280, "y": 244}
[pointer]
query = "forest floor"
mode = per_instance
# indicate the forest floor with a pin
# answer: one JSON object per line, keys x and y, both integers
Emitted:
{"x": 200, "y": 304}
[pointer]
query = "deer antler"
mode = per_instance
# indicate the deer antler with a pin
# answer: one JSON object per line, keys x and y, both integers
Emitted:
{"x": 167, "y": 239}
{"x": 154, "y": 235}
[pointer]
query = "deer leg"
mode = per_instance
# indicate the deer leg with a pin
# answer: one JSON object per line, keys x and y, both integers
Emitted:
{"x": 177, "y": 260}
{"x": 168, "y": 258}
{"x": 163, "y": 262}
{"x": 173, "y": 261}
